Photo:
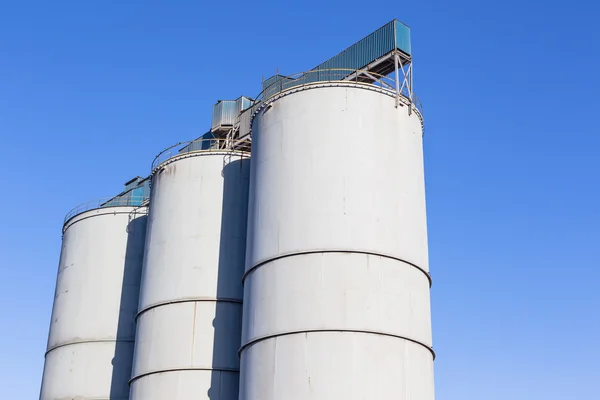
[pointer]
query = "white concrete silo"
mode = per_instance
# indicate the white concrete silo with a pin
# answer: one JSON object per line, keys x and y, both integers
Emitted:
{"x": 90, "y": 344}
{"x": 190, "y": 310}
{"x": 336, "y": 288}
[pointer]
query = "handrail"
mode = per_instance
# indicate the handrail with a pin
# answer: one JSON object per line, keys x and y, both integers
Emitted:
{"x": 338, "y": 75}
{"x": 197, "y": 146}
{"x": 124, "y": 201}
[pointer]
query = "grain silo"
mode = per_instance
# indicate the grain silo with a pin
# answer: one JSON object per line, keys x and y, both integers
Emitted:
{"x": 336, "y": 295}
{"x": 190, "y": 309}
{"x": 90, "y": 344}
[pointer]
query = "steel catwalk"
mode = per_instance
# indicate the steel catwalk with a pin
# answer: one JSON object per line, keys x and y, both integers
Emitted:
{"x": 189, "y": 320}
{"x": 336, "y": 295}
{"x": 90, "y": 344}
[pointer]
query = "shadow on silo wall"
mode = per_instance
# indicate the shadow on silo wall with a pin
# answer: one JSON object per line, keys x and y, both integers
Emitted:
{"x": 228, "y": 317}
{"x": 130, "y": 291}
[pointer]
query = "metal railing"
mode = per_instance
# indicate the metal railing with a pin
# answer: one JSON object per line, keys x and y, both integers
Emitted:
{"x": 200, "y": 145}
{"x": 339, "y": 75}
{"x": 131, "y": 201}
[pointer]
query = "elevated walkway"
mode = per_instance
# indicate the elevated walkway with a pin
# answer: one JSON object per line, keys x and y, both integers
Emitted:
{"x": 382, "y": 58}
{"x": 378, "y": 54}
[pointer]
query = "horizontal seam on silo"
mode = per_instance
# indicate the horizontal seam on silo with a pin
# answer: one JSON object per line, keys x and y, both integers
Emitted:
{"x": 263, "y": 338}
{"x": 159, "y": 371}
{"x": 306, "y": 252}
{"x": 88, "y": 341}
{"x": 189, "y": 300}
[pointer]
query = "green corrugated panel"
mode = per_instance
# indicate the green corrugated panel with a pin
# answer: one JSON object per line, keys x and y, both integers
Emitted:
{"x": 202, "y": 143}
{"x": 269, "y": 81}
{"x": 393, "y": 35}
{"x": 276, "y": 84}
{"x": 402, "y": 37}
{"x": 133, "y": 183}
{"x": 134, "y": 195}
{"x": 365, "y": 51}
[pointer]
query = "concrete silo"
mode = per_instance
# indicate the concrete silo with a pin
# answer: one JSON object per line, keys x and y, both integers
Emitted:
{"x": 90, "y": 344}
{"x": 190, "y": 309}
{"x": 336, "y": 288}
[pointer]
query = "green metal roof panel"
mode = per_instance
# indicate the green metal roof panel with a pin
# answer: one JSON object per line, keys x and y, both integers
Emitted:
{"x": 275, "y": 84}
{"x": 202, "y": 143}
{"x": 379, "y": 44}
{"x": 136, "y": 192}
{"x": 269, "y": 81}
{"x": 364, "y": 51}
{"x": 391, "y": 36}
{"x": 402, "y": 37}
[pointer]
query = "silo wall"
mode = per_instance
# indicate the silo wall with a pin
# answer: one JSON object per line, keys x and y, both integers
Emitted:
{"x": 336, "y": 287}
{"x": 90, "y": 344}
{"x": 190, "y": 310}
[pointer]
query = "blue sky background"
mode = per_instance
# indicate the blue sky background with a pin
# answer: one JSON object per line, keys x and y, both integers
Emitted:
{"x": 91, "y": 91}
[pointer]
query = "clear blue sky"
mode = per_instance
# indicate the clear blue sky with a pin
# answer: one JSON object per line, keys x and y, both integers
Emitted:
{"x": 90, "y": 91}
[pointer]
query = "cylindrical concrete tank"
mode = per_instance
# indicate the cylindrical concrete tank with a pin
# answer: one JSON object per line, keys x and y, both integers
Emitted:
{"x": 336, "y": 295}
{"x": 189, "y": 320}
{"x": 90, "y": 344}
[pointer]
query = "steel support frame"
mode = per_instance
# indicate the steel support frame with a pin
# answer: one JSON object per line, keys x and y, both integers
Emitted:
{"x": 403, "y": 64}
{"x": 403, "y": 75}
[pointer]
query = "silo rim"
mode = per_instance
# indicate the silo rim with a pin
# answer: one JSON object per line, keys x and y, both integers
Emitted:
{"x": 130, "y": 202}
